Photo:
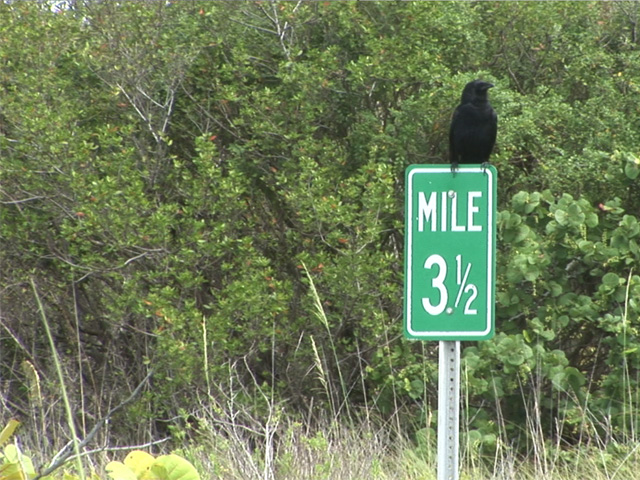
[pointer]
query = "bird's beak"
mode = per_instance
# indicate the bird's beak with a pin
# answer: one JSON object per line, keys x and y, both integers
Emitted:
{"x": 490, "y": 85}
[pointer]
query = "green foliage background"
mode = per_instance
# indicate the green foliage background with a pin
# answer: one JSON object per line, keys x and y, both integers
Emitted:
{"x": 169, "y": 169}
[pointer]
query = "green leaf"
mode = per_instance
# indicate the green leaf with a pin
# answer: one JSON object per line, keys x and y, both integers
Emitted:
{"x": 174, "y": 467}
{"x": 119, "y": 471}
{"x": 515, "y": 359}
{"x": 522, "y": 233}
{"x": 632, "y": 167}
{"x": 611, "y": 280}
{"x": 561, "y": 217}
{"x": 11, "y": 453}
{"x": 11, "y": 471}
{"x": 139, "y": 462}
{"x": 574, "y": 378}
{"x": 591, "y": 220}
{"x": 18, "y": 465}
{"x": 8, "y": 431}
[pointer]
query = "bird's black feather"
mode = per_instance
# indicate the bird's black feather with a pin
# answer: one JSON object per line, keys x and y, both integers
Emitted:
{"x": 474, "y": 126}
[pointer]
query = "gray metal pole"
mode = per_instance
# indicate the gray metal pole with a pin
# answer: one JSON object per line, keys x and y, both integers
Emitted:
{"x": 449, "y": 410}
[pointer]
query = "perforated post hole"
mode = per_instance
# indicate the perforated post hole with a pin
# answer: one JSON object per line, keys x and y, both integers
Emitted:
{"x": 448, "y": 410}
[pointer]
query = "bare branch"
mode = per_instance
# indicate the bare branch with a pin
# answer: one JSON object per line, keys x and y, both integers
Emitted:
{"x": 121, "y": 449}
{"x": 23, "y": 200}
{"x": 145, "y": 118}
{"x": 143, "y": 254}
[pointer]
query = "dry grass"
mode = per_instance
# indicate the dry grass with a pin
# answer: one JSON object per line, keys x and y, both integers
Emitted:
{"x": 357, "y": 452}
{"x": 235, "y": 440}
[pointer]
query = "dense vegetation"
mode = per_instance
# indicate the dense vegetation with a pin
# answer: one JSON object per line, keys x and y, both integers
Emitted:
{"x": 214, "y": 190}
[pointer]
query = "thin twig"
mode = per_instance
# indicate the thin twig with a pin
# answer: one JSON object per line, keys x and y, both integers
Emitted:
{"x": 23, "y": 200}
{"x": 122, "y": 449}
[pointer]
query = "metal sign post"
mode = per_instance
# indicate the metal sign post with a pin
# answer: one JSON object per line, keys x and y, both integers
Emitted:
{"x": 448, "y": 410}
{"x": 449, "y": 277}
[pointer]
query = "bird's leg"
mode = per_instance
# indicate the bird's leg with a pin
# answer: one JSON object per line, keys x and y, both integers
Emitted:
{"x": 484, "y": 167}
{"x": 454, "y": 167}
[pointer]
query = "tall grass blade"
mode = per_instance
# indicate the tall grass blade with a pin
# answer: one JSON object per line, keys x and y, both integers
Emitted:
{"x": 63, "y": 389}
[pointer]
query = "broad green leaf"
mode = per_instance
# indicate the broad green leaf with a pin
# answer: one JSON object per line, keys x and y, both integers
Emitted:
{"x": 8, "y": 431}
{"x": 632, "y": 167}
{"x": 119, "y": 471}
{"x": 174, "y": 467}
{"x": 11, "y": 453}
{"x": 561, "y": 217}
{"x": 24, "y": 465}
{"x": 611, "y": 280}
{"x": 12, "y": 471}
{"x": 139, "y": 462}
{"x": 522, "y": 233}
{"x": 591, "y": 220}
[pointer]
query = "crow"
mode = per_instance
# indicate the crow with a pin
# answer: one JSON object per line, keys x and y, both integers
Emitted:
{"x": 474, "y": 126}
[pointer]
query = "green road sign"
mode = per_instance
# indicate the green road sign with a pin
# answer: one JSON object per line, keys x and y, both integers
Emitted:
{"x": 450, "y": 245}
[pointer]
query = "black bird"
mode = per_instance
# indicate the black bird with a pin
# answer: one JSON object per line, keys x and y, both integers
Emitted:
{"x": 473, "y": 127}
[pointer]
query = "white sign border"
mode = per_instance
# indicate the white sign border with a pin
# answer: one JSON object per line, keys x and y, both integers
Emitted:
{"x": 441, "y": 334}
